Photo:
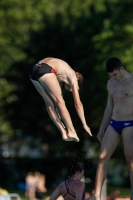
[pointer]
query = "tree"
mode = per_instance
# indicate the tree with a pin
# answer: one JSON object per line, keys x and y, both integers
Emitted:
{"x": 84, "y": 35}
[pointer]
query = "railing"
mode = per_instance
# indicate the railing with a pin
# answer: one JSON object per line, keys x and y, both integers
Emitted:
{"x": 10, "y": 196}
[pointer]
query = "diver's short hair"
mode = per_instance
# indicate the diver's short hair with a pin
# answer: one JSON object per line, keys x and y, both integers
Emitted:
{"x": 80, "y": 79}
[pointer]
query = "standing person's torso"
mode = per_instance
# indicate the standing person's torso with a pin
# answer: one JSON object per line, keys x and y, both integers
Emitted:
{"x": 30, "y": 181}
{"x": 63, "y": 71}
{"x": 122, "y": 94}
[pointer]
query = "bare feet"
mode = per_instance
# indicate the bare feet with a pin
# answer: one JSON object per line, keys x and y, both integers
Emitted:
{"x": 68, "y": 139}
{"x": 73, "y": 137}
{"x": 64, "y": 135}
{"x": 69, "y": 136}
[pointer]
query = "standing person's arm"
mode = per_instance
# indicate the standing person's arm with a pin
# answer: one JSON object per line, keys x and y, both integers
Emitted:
{"x": 79, "y": 106}
{"x": 107, "y": 115}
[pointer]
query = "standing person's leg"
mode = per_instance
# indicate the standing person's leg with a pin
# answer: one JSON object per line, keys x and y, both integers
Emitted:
{"x": 108, "y": 145}
{"x": 32, "y": 193}
{"x": 127, "y": 136}
{"x": 52, "y": 87}
{"x": 51, "y": 110}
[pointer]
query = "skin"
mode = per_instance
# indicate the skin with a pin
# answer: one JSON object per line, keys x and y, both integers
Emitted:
{"x": 76, "y": 188}
{"x": 120, "y": 108}
{"x": 30, "y": 186}
{"x": 49, "y": 88}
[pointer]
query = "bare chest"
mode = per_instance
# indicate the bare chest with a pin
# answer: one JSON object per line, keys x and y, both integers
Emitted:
{"x": 122, "y": 90}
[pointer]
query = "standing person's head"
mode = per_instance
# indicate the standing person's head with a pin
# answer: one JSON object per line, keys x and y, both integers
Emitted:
{"x": 75, "y": 171}
{"x": 115, "y": 68}
{"x": 113, "y": 64}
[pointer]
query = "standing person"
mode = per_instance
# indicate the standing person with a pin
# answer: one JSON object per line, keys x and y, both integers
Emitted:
{"x": 117, "y": 122}
{"x": 72, "y": 188}
{"x": 30, "y": 186}
{"x": 47, "y": 76}
{"x": 40, "y": 185}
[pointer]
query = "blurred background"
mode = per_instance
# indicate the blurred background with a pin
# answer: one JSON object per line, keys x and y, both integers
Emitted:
{"x": 84, "y": 34}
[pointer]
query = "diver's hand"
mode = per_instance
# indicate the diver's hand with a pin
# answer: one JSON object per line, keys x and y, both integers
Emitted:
{"x": 87, "y": 129}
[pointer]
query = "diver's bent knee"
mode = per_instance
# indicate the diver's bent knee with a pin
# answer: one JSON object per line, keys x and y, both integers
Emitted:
{"x": 59, "y": 103}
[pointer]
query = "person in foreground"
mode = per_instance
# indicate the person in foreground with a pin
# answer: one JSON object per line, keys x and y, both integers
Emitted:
{"x": 117, "y": 122}
{"x": 48, "y": 76}
{"x": 73, "y": 187}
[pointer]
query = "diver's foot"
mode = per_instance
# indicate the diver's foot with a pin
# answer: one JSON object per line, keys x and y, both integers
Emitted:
{"x": 64, "y": 137}
{"x": 67, "y": 139}
{"x": 73, "y": 137}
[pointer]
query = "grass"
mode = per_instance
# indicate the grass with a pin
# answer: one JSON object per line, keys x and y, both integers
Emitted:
{"x": 124, "y": 192}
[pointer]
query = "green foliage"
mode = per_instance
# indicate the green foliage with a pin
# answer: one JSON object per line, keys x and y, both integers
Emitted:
{"x": 83, "y": 34}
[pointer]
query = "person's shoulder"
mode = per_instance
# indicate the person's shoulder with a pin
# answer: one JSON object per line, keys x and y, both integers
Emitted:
{"x": 61, "y": 184}
{"x": 110, "y": 82}
{"x": 78, "y": 184}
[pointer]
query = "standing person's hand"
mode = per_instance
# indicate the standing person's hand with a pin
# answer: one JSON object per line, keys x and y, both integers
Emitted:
{"x": 87, "y": 129}
{"x": 100, "y": 135}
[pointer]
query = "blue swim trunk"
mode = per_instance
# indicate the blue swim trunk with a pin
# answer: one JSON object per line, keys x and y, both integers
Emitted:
{"x": 119, "y": 125}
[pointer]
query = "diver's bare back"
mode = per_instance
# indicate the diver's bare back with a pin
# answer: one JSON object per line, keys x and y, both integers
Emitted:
{"x": 122, "y": 94}
{"x": 56, "y": 63}
{"x": 63, "y": 71}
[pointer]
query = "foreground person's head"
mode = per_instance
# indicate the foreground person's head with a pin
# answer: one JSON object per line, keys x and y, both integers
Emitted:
{"x": 75, "y": 171}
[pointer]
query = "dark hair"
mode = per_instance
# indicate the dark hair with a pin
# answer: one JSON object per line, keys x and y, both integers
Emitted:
{"x": 73, "y": 168}
{"x": 113, "y": 64}
{"x": 80, "y": 79}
